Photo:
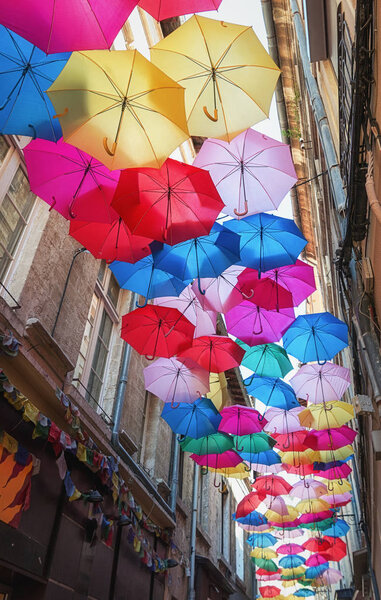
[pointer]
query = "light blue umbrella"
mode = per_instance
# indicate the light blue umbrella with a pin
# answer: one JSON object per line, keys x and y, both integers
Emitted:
{"x": 262, "y": 540}
{"x": 292, "y": 562}
{"x": 272, "y": 391}
{"x": 304, "y": 593}
{"x": 194, "y": 419}
{"x": 313, "y": 572}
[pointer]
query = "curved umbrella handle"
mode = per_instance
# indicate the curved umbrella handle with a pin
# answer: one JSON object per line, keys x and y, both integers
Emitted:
{"x": 287, "y": 444}
{"x": 199, "y": 287}
{"x": 175, "y": 405}
{"x": 72, "y": 215}
{"x": 141, "y": 305}
{"x": 330, "y": 486}
{"x": 222, "y": 23}
{"x": 238, "y": 449}
{"x": 66, "y": 110}
{"x": 246, "y": 468}
{"x": 215, "y": 480}
{"x": 261, "y": 417}
{"x": 214, "y": 118}
{"x": 54, "y": 203}
{"x": 164, "y": 233}
{"x": 321, "y": 362}
{"x": 326, "y": 407}
{"x": 244, "y": 212}
{"x": 223, "y": 490}
{"x": 148, "y": 357}
{"x": 113, "y": 147}
{"x": 248, "y": 296}
{"x": 306, "y": 484}
{"x": 204, "y": 470}
{"x": 34, "y": 130}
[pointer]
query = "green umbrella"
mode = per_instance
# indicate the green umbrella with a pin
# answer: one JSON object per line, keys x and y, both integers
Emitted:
{"x": 319, "y": 525}
{"x": 265, "y": 563}
{"x": 266, "y": 360}
{"x": 254, "y": 442}
{"x": 216, "y": 443}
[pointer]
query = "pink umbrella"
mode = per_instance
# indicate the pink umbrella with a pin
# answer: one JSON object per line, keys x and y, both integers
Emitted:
{"x": 253, "y": 528}
{"x": 226, "y": 459}
{"x": 265, "y": 469}
{"x": 67, "y": 26}
{"x": 336, "y": 500}
{"x": 330, "y": 439}
{"x": 270, "y": 577}
{"x": 321, "y": 383}
{"x": 329, "y": 577}
{"x": 337, "y": 472}
{"x": 221, "y": 293}
{"x": 252, "y": 174}
{"x": 308, "y": 488}
{"x": 240, "y": 420}
{"x": 283, "y": 421}
{"x": 288, "y": 533}
{"x": 290, "y": 549}
{"x": 277, "y": 504}
{"x": 315, "y": 560}
{"x": 255, "y": 325}
{"x": 188, "y": 304}
{"x": 73, "y": 183}
{"x": 165, "y": 9}
{"x": 315, "y": 517}
{"x": 174, "y": 380}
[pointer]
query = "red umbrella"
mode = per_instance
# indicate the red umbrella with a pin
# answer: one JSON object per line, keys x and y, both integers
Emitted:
{"x": 269, "y": 591}
{"x": 290, "y": 442}
{"x": 172, "y": 204}
{"x": 337, "y": 549}
{"x": 301, "y": 470}
{"x": 263, "y": 572}
{"x": 273, "y": 485}
{"x": 316, "y": 544}
{"x": 216, "y": 353}
{"x": 157, "y": 331}
{"x": 250, "y": 503}
{"x": 110, "y": 241}
{"x": 165, "y": 9}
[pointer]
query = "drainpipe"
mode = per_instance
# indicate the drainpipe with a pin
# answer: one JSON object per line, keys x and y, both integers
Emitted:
{"x": 117, "y": 415}
{"x": 319, "y": 113}
{"x": 175, "y": 474}
{"x": 192, "y": 577}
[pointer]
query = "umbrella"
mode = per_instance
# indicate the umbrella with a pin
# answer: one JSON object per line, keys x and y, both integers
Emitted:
{"x": 218, "y": 389}
{"x": 283, "y": 421}
{"x": 266, "y": 576}
{"x": 330, "y": 439}
{"x": 285, "y": 517}
{"x": 302, "y": 470}
{"x": 317, "y": 383}
{"x": 228, "y": 76}
{"x": 290, "y": 549}
{"x": 272, "y": 391}
{"x": 255, "y": 325}
{"x": 252, "y": 174}
{"x": 157, "y": 331}
{"x": 267, "y": 241}
{"x": 206, "y": 256}
{"x": 261, "y": 540}
{"x": 253, "y": 443}
{"x": 276, "y": 504}
{"x": 343, "y": 453}
{"x": 216, "y": 443}
{"x": 196, "y": 419}
{"x": 336, "y": 470}
{"x": 327, "y": 415}
{"x": 313, "y": 572}
{"x": 272, "y": 485}
{"x": 72, "y": 182}
{"x": 288, "y": 533}
{"x": 337, "y": 500}
{"x": 93, "y": 24}
{"x": 339, "y": 528}
{"x": 290, "y": 441}
{"x": 25, "y": 71}
{"x": 267, "y": 360}
{"x": 165, "y": 9}
{"x": 241, "y": 421}
{"x": 304, "y": 593}
{"x": 253, "y": 519}
{"x": 292, "y": 561}
{"x": 221, "y": 293}
{"x": 269, "y": 591}
{"x": 315, "y": 560}
{"x": 226, "y": 459}
{"x": 293, "y": 573}
{"x": 329, "y": 577}
{"x": 316, "y": 336}
{"x": 188, "y": 304}
{"x": 249, "y": 503}
{"x": 312, "y": 506}
{"x": 263, "y": 553}
{"x": 337, "y": 549}
{"x": 316, "y": 544}
{"x": 338, "y": 487}
{"x": 106, "y": 99}
{"x": 265, "y": 563}
{"x": 237, "y": 472}
{"x": 215, "y": 353}
{"x": 174, "y": 380}
{"x": 309, "y": 488}
{"x": 265, "y": 469}
{"x": 267, "y": 458}
{"x": 298, "y": 459}
{"x": 171, "y": 204}
{"x": 110, "y": 241}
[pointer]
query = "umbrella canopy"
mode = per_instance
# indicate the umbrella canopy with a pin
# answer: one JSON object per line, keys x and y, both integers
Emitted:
{"x": 72, "y": 182}
{"x": 316, "y": 336}
{"x": 157, "y": 331}
{"x": 265, "y": 563}
{"x": 314, "y": 572}
{"x": 173, "y": 380}
{"x": 263, "y": 553}
{"x": 218, "y": 389}
{"x": 327, "y": 415}
{"x": 276, "y": 504}
{"x": 338, "y": 487}
{"x": 316, "y": 544}
{"x": 93, "y": 24}
{"x": 329, "y": 577}
{"x": 24, "y": 72}
{"x": 336, "y": 470}
{"x": 292, "y": 561}
{"x": 228, "y": 76}
{"x": 241, "y": 421}
{"x": 267, "y": 458}
{"x": 315, "y": 560}
{"x": 106, "y": 99}
{"x": 255, "y": 325}
{"x": 261, "y": 540}
{"x": 253, "y": 519}
{"x": 343, "y": 453}
{"x": 253, "y": 443}
{"x": 330, "y": 439}
{"x": 110, "y": 241}
{"x": 290, "y": 441}
{"x": 266, "y": 360}
{"x": 265, "y": 469}
{"x": 284, "y": 518}
{"x": 290, "y": 549}
{"x": 283, "y": 421}
{"x": 336, "y": 551}
{"x": 221, "y": 293}
{"x": 215, "y": 353}
{"x": 338, "y": 528}
{"x": 304, "y": 593}
{"x": 171, "y": 204}
{"x": 252, "y": 174}
{"x": 312, "y": 506}
{"x": 288, "y": 533}
{"x": 321, "y": 383}
{"x": 165, "y": 9}
{"x": 267, "y": 241}
{"x": 272, "y": 391}
{"x": 237, "y": 472}
{"x": 249, "y": 503}
{"x": 226, "y": 459}
{"x": 308, "y": 488}
{"x": 298, "y": 459}
{"x": 195, "y": 419}
{"x": 272, "y": 485}
{"x": 269, "y": 591}
{"x": 216, "y": 443}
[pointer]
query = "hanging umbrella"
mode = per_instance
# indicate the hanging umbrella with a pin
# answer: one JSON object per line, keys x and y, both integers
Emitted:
{"x": 302, "y": 470}
{"x": 188, "y": 304}
{"x": 329, "y": 577}
{"x": 229, "y": 78}
{"x": 92, "y": 24}
{"x": 72, "y": 182}
{"x": 106, "y": 99}
{"x": 337, "y": 549}
{"x": 288, "y": 533}
{"x": 272, "y": 391}
{"x": 265, "y": 469}
{"x": 267, "y": 360}
{"x": 343, "y": 453}
{"x": 206, "y": 256}
{"x": 290, "y": 549}
{"x": 292, "y": 561}
{"x": 110, "y": 241}
{"x": 290, "y": 441}
{"x": 226, "y": 459}
{"x": 253, "y": 519}
{"x": 267, "y": 458}
{"x": 287, "y": 517}
{"x": 317, "y": 336}
{"x": 252, "y": 174}
{"x": 293, "y": 573}
{"x": 283, "y": 421}
{"x": 265, "y": 563}
{"x": 249, "y": 503}
{"x": 304, "y": 593}
{"x": 216, "y": 443}
{"x": 263, "y": 553}
{"x": 172, "y": 204}
{"x": 255, "y": 325}
{"x": 221, "y": 293}
{"x": 173, "y": 380}
{"x": 312, "y": 506}
{"x": 261, "y": 540}
{"x": 337, "y": 487}
{"x": 25, "y": 71}
{"x": 337, "y": 500}
{"x": 269, "y": 591}
{"x": 272, "y": 485}
{"x": 267, "y": 241}
{"x": 218, "y": 389}
{"x": 339, "y": 528}
{"x": 314, "y": 572}
{"x": 266, "y": 576}
{"x": 327, "y": 415}
{"x": 276, "y": 504}
{"x": 319, "y": 525}
{"x": 315, "y": 560}
{"x": 297, "y": 459}
{"x": 157, "y": 331}
{"x": 237, "y": 472}
{"x": 316, "y": 544}
{"x": 253, "y": 443}
{"x": 215, "y": 353}
{"x": 330, "y": 439}
{"x": 196, "y": 419}
{"x": 309, "y": 488}
{"x": 336, "y": 470}
{"x": 165, "y": 9}
{"x": 321, "y": 383}
{"x": 241, "y": 421}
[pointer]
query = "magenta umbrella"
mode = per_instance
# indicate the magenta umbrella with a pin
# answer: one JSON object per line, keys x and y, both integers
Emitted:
{"x": 240, "y": 420}
{"x": 165, "y": 9}
{"x": 290, "y": 549}
{"x": 315, "y": 560}
{"x": 221, "y": 293}
{"x": 252, "y": 174}
{"x": 283, "y": 421}
{"x": 66, "y": 26}
{"x": 255, "y": 325}
{"x": 330, "y": 439}
{"x": 72, "y": 182}
{"x": 321, "y": 383}
{"x": 188, "y": 304}
{"x": 340, "y": 471}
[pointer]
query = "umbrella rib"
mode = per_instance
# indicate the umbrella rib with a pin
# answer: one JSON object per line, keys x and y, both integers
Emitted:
{"x": 113, "y": 84}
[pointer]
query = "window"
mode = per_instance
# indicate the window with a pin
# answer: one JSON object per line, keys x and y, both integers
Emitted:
{"x": 225, "y": 525}
{"x": 203, "y": 501}
{"x": 239, "y": 552}
{"x": 16, "y": 203}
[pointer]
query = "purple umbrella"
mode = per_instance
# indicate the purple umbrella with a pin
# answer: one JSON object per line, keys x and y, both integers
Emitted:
{"x": 321, "y": 383}
{"x": 255, "y": 325}
{"x": 221, "y": 293}
{"x": 283, "y": 421}
{"x": 252, "y": 174}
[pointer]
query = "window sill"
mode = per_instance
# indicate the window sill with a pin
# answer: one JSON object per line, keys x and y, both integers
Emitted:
{"x": 204, "y": 536}
{"x": 182, "y": 507}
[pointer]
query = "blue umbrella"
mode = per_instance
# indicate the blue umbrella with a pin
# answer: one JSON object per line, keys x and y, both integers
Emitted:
{"x": 267, "y": 241}
{"x": 254, "y": 519}
{"x": 272, "y": 391}
{"x": 313, "y": 572}
{"x": 338, "y": 528}
{"x": 292, "y": 562}
{"x": 305, "y": 593}
{"x": 146, "y": 279}
{"x": 205, "y": 256}
{"x": 25, "y": 73}
{"x": 269, "y": 457}
{"x": 261, "y": 540}
{"x": 194, "y": 419}
{"x": 316, "y": 336}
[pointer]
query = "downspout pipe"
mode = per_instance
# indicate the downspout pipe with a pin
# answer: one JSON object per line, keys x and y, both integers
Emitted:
{"x": 138, "y": 471}
{"x": 174, "y": 474}
{"x": 192, "y": 577}
{"x": 319, "y": 113}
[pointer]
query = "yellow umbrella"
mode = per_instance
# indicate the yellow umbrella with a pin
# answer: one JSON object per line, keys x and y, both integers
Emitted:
{"x": 275, "y": 517}
{"x": 335, "y": 487}
{"x": 228, "y": 76}
{"x": 238, "y": 472}
{"x": 313, "y": 505}
{"x": 218, "y": 390}
{"x": 307, "y": 457}
{"x": 263, "y": 553}
{"x": 326, "y": 415}
{"x": 338, "y": 454}
{"x": 288, "y": 583}
{"x": 295, "y": 571}
{"x": 120, "y": 108}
